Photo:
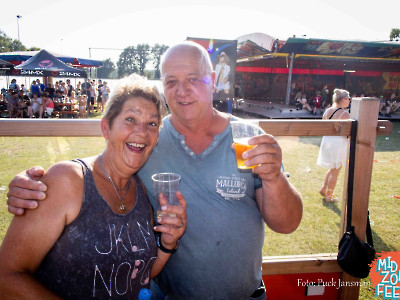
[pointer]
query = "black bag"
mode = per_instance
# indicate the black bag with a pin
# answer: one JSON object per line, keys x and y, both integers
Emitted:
{"x": 354, "y": 256}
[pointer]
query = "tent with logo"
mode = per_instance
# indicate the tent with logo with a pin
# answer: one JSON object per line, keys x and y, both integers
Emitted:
{"x": 18, "y": 57}
{"x": 46, "y": 64}
{"x": 5, "y": 65}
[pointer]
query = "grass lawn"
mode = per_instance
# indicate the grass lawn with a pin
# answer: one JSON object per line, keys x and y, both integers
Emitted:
{"x": 319, "y": 229}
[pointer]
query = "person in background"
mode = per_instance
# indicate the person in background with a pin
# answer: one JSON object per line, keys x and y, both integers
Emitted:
{"x": 333, "y": 150}
{"x": 59, "y": 97}
{"x": 74, "y": 101}
{"x": 12, "y": 103}
{"x": 324, "y": 97}
{"x": 86, "y": 90}
{"x": 303, "y": 103}
{"x": 41, "y": 86}
{"x": 23, "y": 89}
{"x": 99, "y": 98}
{"x": 227, "y": 208}
{"x": 35, "y": 89}
{"x": 37, "y": 107}
{"x": 93, "y": 96}
{"x": 317, "y": 103}
{"x": 70, "y": 88}
{"x": 63, "y": 89}
{"x": 105, "y": 94}
{"x": 78, "y": 88}
{"x": 97, "y": 220}
{"x": 50, "y": 90}
{"x": 14, "y": 86}
{"x": 22, "y": 107}
{"x": 391, "y": 105}
{"x": 48, "y": 104}
{"x": 82, "y": 106}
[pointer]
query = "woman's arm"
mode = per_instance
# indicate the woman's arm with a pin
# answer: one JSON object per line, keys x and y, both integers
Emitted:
{"x": 30, "y": 237}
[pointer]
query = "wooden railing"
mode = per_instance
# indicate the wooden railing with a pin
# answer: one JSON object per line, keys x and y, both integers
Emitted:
{"x": 365, "y": 110}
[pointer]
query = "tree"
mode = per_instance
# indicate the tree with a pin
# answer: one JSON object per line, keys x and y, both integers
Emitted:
{"x": 156, "y": 52}
{"x": 142, "y": 57}
{"x": 136, "y": 59}
{"x": 127, "y": 62}
{"x": 7, "y": 44}
{"x": 394, "y": 34}
{"x": 107, "y": 69}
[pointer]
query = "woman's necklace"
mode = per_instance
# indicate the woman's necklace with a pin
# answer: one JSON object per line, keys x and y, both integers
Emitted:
{"x": 117, "y": 189}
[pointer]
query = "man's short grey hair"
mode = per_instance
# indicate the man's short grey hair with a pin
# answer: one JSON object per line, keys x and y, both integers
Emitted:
{"x": 203, "y": 54}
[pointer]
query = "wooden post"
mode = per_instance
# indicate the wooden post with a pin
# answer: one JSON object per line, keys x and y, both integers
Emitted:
{"x": 365, "y": 110}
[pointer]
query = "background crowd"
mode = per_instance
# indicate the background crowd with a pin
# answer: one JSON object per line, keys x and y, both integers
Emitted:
{"x": 321, "y": 100}
{"x": 43, "y": 101}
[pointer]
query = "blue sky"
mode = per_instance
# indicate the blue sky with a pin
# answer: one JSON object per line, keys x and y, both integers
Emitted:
{"x": 72, "y": 27}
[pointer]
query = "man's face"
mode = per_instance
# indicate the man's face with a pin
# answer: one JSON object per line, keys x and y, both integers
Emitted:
{"x": 188, "y": 87}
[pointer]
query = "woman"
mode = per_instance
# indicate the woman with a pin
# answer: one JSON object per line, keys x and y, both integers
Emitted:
{"x": 93, "y": 238}
{"x": 48, "y": 104}
{"x": 333, "y": 150}
{"x": 303, "y": 103}
{"x": 105, "y": 92}
{"x": 36, "y": 106}
{"x": 82, "y": 106}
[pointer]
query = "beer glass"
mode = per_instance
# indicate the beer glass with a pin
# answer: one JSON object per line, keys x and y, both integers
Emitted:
{"x": 167, "y": 184}
{"x": 242, "y": 131}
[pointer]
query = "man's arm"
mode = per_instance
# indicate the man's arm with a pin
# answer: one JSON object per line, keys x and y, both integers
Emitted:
{"x": 25, "y": 189}
{"x": 279, "y": 202}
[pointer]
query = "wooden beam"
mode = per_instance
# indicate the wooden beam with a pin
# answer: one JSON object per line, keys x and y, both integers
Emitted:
{"x": 365, "y": 111}
{"x": 60, "y": 127}
{"x": 49, "y": 127}
{"x": 294, "y": 264}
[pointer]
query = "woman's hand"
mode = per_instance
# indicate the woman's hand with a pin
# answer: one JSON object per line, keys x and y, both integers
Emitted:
{"x": 172, "y": 227}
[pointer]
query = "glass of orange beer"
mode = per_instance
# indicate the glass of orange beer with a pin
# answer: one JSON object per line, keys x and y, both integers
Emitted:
{"x": 242, "y": 131}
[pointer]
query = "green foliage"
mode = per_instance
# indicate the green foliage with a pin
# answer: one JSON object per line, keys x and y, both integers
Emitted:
{"x": 7, "y": 44}
{"x": 142, "y": 57}
{"x": 107, "y": 69}
{"x": 156, "y": 53}
{"x": 136, "y": 59}
{"x": 394, "y": 34}
{"x": 126, "y": 63}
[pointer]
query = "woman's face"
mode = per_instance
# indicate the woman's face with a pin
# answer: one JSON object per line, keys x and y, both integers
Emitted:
{"x": 133, "y": 134}
{"x": 346, "y": 101}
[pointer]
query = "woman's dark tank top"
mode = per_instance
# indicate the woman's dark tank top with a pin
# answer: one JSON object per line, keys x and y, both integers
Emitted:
{"x": 102, "y": 254}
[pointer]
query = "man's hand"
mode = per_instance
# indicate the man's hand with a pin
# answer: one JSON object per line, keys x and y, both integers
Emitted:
{"x": 266, "y": 156}
{"x": 279, "y": 202}
{"x": 24, "y": 191}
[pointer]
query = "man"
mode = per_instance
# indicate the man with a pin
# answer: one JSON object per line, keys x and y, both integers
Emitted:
{"x": 86, "y": 90}
{"x": 35, "y": 89}
{"x": 220, "y": 254}
{"x": 41, "y": 86}
{"x": 12, "y": 103}
{"x": 70, "y": 88}
{"x": 14, "y": 86}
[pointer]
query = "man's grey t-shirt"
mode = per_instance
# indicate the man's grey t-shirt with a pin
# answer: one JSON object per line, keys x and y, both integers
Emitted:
{"x": 220, "y": 254}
